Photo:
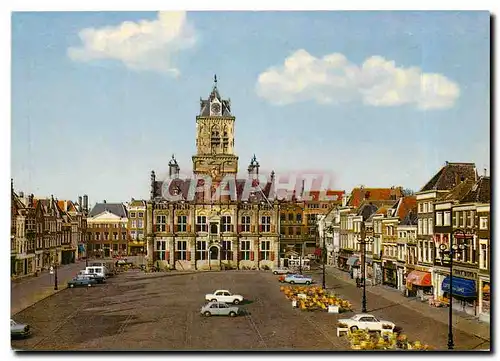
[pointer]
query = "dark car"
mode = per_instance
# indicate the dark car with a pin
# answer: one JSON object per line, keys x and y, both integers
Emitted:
{"x": 20, "y": 330}
{"x": 81, "y": 282}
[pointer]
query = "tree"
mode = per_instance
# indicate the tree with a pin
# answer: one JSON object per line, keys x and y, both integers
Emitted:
{"x": 408, "y": 192}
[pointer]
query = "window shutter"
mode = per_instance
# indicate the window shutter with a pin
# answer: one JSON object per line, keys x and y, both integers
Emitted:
{"x": 252, "y": 256}
{"x": 272, "y": 256}
{"x": 167, "y": 228}
{"x": 189, "y": 228}
{"x": 188, "y": 255}
{"x": 239, "y": 228}
{"x": 260, "y": 228}
{"x": 167, "y": 256}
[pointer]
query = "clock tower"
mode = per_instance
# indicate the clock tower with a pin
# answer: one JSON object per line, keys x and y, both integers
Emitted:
{"x": 215, "y": 137}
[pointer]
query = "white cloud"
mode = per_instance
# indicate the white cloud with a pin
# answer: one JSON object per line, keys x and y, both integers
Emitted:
{"x": 333, "y": 79}
{"x": 142, "y": 45}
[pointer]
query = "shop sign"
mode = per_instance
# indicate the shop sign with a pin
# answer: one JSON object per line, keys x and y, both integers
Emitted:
{"x": 464, "y": 274}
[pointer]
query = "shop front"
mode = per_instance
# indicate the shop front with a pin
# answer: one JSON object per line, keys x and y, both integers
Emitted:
{"x": 354, "y": 264}
{"x": 390, "y": 277}
{"x": 342, "y": 260}
{"x": 419, "y": 284}
{"x": 484, "y": 299}
{"x": 463, "y": 292}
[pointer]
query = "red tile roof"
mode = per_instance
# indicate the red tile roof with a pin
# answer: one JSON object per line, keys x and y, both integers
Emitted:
{"x": 358, "y": 195}
{"x": 406, "y": 205}
{"x": 329, "y": 193}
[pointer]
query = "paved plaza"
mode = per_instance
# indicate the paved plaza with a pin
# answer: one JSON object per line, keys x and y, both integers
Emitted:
{"x": 160, "y": 311}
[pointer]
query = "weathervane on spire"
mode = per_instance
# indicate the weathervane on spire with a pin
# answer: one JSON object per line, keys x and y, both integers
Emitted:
{"x": 215, "y": 80}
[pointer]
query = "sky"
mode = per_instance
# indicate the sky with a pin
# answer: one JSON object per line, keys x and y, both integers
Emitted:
{"x": 99, "y": 99}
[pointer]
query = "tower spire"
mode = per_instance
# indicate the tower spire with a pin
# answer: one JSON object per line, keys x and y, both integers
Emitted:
{"x": 215, "y": 80}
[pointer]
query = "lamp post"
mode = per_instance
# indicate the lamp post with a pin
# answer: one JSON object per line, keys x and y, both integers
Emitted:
{"x": 444, "y": 250}
{"x": 364, "y": 241}
{"x": 55, "y": 276}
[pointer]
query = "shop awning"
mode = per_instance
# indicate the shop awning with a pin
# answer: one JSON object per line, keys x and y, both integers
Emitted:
{"x": 419, "y": 278}
{"x": 461, "y": 287}
{"x": 353, "y": 261}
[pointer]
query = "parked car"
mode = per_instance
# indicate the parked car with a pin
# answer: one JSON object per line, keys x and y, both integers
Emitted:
{"x": 281, "y": 271}
{"x": 224, "y": 296}
{"x": 216, "y": 308}
{"x": 81, "y": 282}
{"x": 298, "y": 279}
{"x": 364, "y": 321}
{"x": 19, "y": 329}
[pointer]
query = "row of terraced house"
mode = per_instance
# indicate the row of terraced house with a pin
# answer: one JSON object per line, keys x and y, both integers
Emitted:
{"x": 403, "y": 233}
{"x": 45, "y": 231}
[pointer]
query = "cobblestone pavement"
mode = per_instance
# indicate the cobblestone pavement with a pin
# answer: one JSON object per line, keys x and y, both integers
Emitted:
{"x": 136, "y": 311}
{"x": 418, "y": 320}
{"x": 160, "y": 311}
{"x": 26, "y": 291}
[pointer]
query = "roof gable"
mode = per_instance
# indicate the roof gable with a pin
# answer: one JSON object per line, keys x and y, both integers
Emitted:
{"x": 106, "y": 216}
{"x": 451, "y": 175}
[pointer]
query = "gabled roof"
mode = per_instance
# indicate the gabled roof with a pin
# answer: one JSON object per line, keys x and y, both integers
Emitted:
{"x": 405, "y": 205}
{"x": 366, "y": 210}
{"x": 459, "y": 191}
{"x": 117, "y": 209}
{"x": 451, "y": 175}
{"x": 67, "y": 206}
{"x": 48, "y": 206}
{"x": 137, "y": 203}
{"x": 480, "y": 192}
{"x": 360, "y": 194}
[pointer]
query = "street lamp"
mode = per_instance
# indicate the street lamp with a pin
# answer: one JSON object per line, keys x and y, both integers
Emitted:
{"x": 364, "y": 241}
{"x": 444, "y": 250}
{"x": 55, "y": 276}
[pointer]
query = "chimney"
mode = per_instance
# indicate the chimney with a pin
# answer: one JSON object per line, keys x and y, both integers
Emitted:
{"x": 21, "y": 194}
{"x": 30, "y": 200}
{"x": 80, "y": 204}
{"x": 85, "y": 202}
{"x": 484, "y": 172}
{"x": 152, "y": 192}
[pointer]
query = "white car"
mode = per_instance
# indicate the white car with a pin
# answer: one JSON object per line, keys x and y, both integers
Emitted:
{"x": 224, "y": 296}
{"x": 281, "y": 271}
{"x": 364, "y": 321}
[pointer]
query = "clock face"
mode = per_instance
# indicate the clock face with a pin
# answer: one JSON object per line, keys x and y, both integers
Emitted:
{"x": 215, "y": 108}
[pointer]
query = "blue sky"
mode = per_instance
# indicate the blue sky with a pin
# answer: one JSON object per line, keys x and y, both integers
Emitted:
{"x": 339, "y": 92}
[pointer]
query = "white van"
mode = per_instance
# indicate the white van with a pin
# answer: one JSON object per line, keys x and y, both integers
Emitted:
{"x": 108, "y": 265}
{"x": 100, "y": 271}
{"x": 295, "y": 264}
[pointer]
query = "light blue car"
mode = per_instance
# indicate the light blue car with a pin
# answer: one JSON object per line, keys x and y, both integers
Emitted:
{"x": 300, "y": 279}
